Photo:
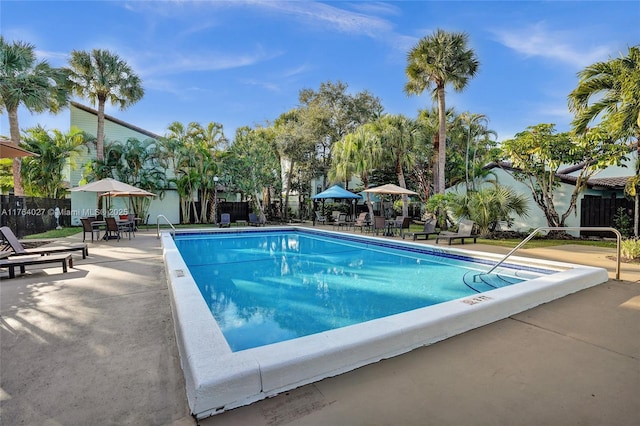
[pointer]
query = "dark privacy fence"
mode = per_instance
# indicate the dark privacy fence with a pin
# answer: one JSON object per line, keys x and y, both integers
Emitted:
{"x": 33, "y": 215}
{"x": 598, "y": 211}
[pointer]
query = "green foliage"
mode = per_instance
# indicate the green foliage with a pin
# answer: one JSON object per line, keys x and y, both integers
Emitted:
{"x": 623, "y": 222}
{"x": 102, "y": 76}
{"x": 44, "y": 175}
{"x": 194, "y": 153}
{"x": 490, "y": 206}
{"x": 630, "y": 248}
{"x": 538, "y": 153}
{"x": 439, "y": 60}
{"x": 251, "y": 162}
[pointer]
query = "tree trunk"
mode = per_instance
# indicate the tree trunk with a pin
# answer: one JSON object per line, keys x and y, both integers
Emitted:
{"x": 285, "y": 213}
{"x": 403, "y": 184}
{"x": 100, "y": 131}
{"x": 442, "y": 142}
{"x": 14, "y": 129}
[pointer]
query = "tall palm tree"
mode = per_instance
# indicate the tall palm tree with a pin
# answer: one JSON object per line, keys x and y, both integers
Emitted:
{"x": 102, "y": 76}
{"x": 615, "y": 86}
{"x": 31, "y": 83}
{"x": 437, "y": 60}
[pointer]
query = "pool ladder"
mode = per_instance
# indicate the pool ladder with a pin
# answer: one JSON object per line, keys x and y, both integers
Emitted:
{"x": 173, "y": 234}
{"x": 551, "y": 228}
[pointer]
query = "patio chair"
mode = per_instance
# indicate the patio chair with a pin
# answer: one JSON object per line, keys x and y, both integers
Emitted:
{"x": 254, "y": 221}
{"x": 319, "y": 218}
{"x": 115, "y": 229}
{"x": 379, "y": 225}
{"x": 428, "y": 229}
{"x": 23, "y": 261}
{"x": 362, "y": 222}
{"x": 225, "y": 220}
{"x": 465, "y": 231}
{"x": 404, "y": 224}
{"x": 12, "y": 243}
{"x": 88, "y": 227}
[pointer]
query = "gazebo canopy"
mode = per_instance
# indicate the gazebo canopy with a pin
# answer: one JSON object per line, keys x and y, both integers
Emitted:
{"x": 335, "y": 192}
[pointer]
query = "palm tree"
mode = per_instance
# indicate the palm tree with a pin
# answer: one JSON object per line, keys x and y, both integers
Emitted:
{"x": 45, "y": 175}
{"x": 437, "y": 60}
{"x": 31, "y": 83}
{"x": 102, "y": 76}
{"x": 357, "y": 153}
{"x": 400, "y": 136}
{"x": 615, "y": 86}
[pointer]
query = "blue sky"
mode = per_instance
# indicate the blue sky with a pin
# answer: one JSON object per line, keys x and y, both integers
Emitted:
{"x": 244, "y": 62}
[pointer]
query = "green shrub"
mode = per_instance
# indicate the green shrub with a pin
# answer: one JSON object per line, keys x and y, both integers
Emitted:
{"x": 630, "y": 248}
{"x": 623, "y": 222}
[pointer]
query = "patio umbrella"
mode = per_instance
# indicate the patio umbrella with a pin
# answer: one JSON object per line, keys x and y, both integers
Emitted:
{"x": 390, "y": 189}
{"x": 112, "y": 188}
{"x": 107, "y": 185}
{"x": 8, "y": 149}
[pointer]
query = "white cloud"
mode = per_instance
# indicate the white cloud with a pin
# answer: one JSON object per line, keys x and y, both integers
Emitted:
{"x": 539, "y": 41}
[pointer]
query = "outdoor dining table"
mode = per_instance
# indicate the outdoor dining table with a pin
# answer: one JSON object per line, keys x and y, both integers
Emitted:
{"x": 102, "y": 225}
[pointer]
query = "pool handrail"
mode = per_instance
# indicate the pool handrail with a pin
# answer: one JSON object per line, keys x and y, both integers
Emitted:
{"x": 568, "y": 228}
{"x": 166, "y": 220}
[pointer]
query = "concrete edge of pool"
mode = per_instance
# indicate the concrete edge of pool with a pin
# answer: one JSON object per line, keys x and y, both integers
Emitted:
{"x": 218, "y": 379}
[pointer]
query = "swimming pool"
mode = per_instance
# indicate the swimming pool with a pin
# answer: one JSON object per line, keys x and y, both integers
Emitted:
{"x": 272, "y": 286}
{"x": 218, "y": 379}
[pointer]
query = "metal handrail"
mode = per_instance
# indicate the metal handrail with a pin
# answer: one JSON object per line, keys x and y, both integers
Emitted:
{"x": 571, "y": 228}
{"x": 166, "y": 220}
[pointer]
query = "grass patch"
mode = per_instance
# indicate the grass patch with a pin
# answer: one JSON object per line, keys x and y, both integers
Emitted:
{"x": 542, "y": 243}
{"x": 56, "y": 233}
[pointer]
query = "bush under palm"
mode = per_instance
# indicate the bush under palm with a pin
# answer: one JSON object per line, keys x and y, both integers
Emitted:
{"x": 490, "y": 206}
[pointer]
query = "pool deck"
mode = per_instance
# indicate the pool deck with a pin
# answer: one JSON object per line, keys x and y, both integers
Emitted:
{"x": 96, "y": 346}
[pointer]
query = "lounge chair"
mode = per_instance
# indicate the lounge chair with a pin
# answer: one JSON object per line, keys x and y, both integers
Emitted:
{"x": 225, "y": 220}
{"x": 428, "y": 229}
{"x": 320, "y": 218}
{"x": 362, "y": 222}
{"x": 465, "y": 229}
{"x": 254, "y": 221}
{"x": 23, "y": 261}
{"x": 18, "y": 249}
{"x": 88, "y": 227}
{"x": 340, "y": 221}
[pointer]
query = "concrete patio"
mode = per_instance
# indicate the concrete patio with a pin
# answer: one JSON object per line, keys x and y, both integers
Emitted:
{"x": 96, "y": 346}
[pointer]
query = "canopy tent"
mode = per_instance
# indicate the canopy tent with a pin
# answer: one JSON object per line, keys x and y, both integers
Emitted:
{"x": 8, "y": 149}
{"x": 335, "y": 192}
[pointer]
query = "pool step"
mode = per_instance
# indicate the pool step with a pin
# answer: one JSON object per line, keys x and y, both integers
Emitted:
{"x": 481, "y": 282}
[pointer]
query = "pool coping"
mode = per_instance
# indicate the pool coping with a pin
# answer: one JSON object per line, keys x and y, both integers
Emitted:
{"x": 218, "y": 379}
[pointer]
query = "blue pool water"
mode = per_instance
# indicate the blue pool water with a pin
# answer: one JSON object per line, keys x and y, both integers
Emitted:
{"x": 268, "y": 287}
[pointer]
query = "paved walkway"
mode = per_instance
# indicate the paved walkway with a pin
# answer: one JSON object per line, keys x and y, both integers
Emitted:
{"x": 96, "y": 346}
